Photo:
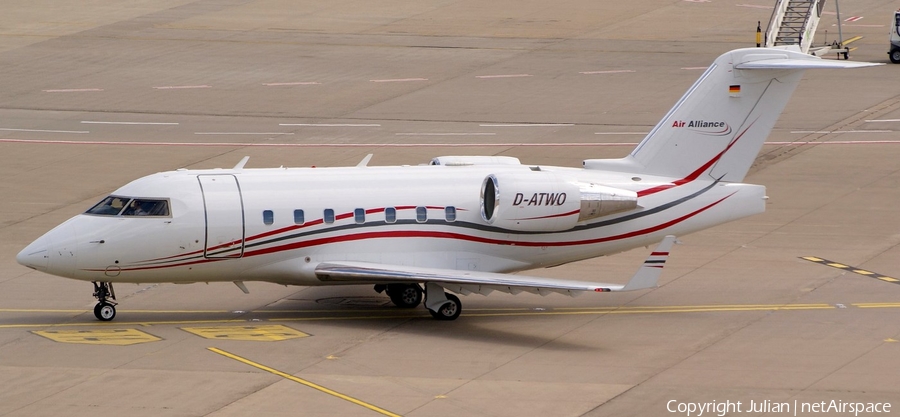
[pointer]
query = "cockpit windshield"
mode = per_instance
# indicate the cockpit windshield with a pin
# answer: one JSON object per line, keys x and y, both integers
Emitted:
{"x": 127, "y": 206}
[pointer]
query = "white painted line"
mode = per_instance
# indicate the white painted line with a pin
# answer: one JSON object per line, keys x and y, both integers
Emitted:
{"x": 528, "y": 125}
{"x": 446, "y": 134}
{"x": 841, "y": 131}
{"x": 853, "y": 19}
{"x": 320, "y": 145}
{"x": 839, "y": 142}
{"x": 181, "y": 87}
{"x": 861, "y": 26}
{"x": 606, "y": 72}
{"x": 399, "y": 80}
{"x": 94, "y": 122}
{"x": 620, "y": 133}
{"x": 44, "y": 131}
{"x": 331, "y": 124}
{"x": 694, "y": 68}
{"x": 72, "y": 90}
{"x": 404, "y": 145}
{"x": 504, "y": 76}
{"x": 243, "y": 133}
{"x": 295, "y": 83}
{"x": 882, "y": 120}
{"x": 754, "y": 6}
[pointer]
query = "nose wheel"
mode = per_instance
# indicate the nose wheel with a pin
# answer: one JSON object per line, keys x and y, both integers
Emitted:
{"x": 105, "y": 310}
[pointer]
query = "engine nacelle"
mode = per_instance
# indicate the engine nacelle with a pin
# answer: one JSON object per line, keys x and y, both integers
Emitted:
{"x": 540, "y": 201}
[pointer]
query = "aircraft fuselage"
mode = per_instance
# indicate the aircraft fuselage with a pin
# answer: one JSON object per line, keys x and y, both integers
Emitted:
{"x": 276, "y": 225}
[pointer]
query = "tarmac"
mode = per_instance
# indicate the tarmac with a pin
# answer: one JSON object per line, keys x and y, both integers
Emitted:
{"x": 780, "y": 311}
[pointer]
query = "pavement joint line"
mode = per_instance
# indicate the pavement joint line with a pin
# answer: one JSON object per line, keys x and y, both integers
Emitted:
{"x": 303, "y": 382}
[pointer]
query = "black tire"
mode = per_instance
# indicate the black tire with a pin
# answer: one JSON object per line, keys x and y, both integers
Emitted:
{"x": 104, "y": 311}
{"x": 895, "y": 55}
{"x": 405, "y": 295}
{"x": 449, "y": 310}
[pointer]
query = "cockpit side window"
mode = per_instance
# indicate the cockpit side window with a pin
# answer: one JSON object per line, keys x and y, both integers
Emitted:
{"x": 125, "y": 206}
{"x": 110, "y": 206}
{"x": 147, "y": 207}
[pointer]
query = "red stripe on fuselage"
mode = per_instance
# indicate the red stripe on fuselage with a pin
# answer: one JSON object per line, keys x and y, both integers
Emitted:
{"x": 443, "y": 235}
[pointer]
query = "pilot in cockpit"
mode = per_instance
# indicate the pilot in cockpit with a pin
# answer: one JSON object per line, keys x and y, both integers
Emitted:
{"x": 135, "y": 209}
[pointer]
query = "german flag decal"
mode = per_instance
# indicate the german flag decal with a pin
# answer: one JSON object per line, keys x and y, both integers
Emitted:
{"x": 734, "y": 90}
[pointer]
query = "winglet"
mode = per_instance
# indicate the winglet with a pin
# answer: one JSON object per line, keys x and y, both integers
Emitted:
{"x": 365, "y": 161}
{"x": 240, "y": 165}
{"x": 648, "y": 275}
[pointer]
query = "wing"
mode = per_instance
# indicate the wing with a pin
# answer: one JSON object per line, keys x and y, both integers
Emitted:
{"x": 467, "y": 282}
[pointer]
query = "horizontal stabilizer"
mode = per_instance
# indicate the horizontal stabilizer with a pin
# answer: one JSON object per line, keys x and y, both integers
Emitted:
{"x": 815, "y": 63}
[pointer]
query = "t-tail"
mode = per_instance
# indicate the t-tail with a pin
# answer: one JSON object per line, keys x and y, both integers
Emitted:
{"x": 718, "y": 127}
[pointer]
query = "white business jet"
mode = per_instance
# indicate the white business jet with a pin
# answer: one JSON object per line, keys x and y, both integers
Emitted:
{"x": 459, "y": 224}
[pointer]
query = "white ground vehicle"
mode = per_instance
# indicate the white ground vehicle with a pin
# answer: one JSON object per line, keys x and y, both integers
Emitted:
{"x": 894, "y": 53}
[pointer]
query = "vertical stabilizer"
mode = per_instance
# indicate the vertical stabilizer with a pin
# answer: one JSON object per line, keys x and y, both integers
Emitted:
{"x": 718, "y": 127}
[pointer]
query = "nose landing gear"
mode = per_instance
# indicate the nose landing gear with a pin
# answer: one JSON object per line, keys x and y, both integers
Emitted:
{"x": 105, "y": 310}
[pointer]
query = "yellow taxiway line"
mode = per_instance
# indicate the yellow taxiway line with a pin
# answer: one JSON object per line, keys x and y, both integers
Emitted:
{"x": 853, "y": 39}
{"x": 375, "y": 315}
{"x": 304, "y": 382}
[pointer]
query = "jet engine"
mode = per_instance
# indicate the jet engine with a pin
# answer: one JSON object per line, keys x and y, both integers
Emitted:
{"x": 540, "y": 201}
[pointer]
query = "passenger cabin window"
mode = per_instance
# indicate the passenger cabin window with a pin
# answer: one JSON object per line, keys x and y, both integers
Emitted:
{"x": 125, "y": 206}
{"x": 359, "y": 215}
{"x": 268, "y": 217}
{"x": 329, "y": 216}
{"x": 298, "y": 217}
{"x": 450, "y": 213}
{"x": 390, "y": 215}
{"x": 421, "y": 214}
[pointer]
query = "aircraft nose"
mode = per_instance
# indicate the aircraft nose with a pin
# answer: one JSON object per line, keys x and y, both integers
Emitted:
{"x": 35, "y": 255}
{"x": 54, "y": 252}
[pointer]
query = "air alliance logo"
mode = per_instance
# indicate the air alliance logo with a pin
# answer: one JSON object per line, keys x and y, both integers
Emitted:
{"x": 706, "y": 127}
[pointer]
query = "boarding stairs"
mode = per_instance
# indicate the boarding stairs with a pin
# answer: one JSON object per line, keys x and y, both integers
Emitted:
{"x": 794, "y": 22}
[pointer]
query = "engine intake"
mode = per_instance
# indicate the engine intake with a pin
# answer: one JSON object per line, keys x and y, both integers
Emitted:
{"x": 540, "y": 201}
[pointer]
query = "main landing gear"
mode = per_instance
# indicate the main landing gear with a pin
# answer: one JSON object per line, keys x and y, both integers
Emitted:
{"x": 105, "y": 310}
{"x": 403, "y": 295}
{"x": 441, "y": 305}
